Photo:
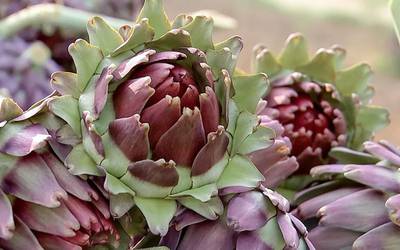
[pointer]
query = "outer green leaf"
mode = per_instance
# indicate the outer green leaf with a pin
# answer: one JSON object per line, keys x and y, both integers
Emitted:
{"x": 201, "y": 29}
{"x": 181, "y": 20}
{"x": 249, "y": 90}
{"x": 80, "y": 163}
{"x": 245, "y": 124}
{"x": 349, "y": 156}
{"x": 223, "y": 89}
{"x": 354, "y": 79}
{"x": 368, "y": 120}
{"x": 67, "y": 108}
{"x": 212, "y": 175}
{"x": 153, "y": 10}
{"x": 8, "y": 109}
{"x": 120, "y": 204}
{"x": 66, "y": 83}
{"x": 271, "y": 234}
{"x": 86, "y": 100}
{"x": 265, "y": 62}
{"x": 103, "y": 35}
{"x": 86, "y": 58}
{"x": 295, "y": 53}
{"x": 184, "y": 182}
{"x": 141, "y": 33}
{"x": 210, "y": 209}
{"x": 116, "y": 186}
{"x": 321, "y": 68}
{"x": 158, "y": 213}
{"x": 240, "y": 171}
{"x": 173, "y": 39}
{"x": 115, "y": 162}
{"x": 221, "y": 59}
{"x": 203, "y": 193}
{"x": 260, "y": 139}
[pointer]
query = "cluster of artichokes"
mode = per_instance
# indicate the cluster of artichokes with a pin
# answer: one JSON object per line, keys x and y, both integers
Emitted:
{"x": 157, "y": 139}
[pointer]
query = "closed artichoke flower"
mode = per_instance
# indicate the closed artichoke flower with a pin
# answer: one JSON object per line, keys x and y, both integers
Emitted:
{"x": 320, "y": 103}
{"x": 25, "y": 70}
{"x": 43, "y": 206}
{"x": 256, "y": 219}
{"x": 154, "y": 115}
{"x": 358, "y": 206}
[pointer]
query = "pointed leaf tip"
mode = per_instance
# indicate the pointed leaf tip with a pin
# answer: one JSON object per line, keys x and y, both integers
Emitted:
{"x": 154, "y": 11}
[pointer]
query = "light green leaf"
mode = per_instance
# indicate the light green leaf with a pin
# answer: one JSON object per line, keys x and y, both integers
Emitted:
{"x": 201, "y": 29}
{"x": 265, "y": 62}
{"x": 158, "y": 213}
{"x": 203, "y": 193}
{"x": 259, "y": 139}
{"x": 67, "y": 108}
{"x": 120, "y": 204}
{"x": 249, "y": 90}
{"x": 115, "y": 186}
{"x": 212, "y": 175}
{"x": 245, "y": 124}
{"x": 173, "y": 39}
{"x": 80, "y": 163}
{"x": 141, "y": 33}
{"x": 66, "y": 83}
{"x": 368, "y": 120}
{"x": 181, "y": 20}
{"x": 9, "y": 109}
{"x": 272, "y": 235}
{"x": 349, "y": 156}
{"x": 153, "y": 10}
{"x": 115, "y": 162}
{"x": 103, "y": 35}
{"x": 184, "y": 182}
{"x": 295, "y": 53}
{"x": 210, "y": 209}
{"x": 354, "y": 79}
{"x": 221, "y": 59}
{"x": 321, "y": 68}
{"x": 86, "y": 58}
{"x": 240, "y": 171}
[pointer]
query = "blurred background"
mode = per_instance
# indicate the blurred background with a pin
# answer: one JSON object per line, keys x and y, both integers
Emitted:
{"x": 363, "y": 27}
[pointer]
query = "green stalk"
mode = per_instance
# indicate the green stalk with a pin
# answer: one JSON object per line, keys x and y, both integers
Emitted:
{"x": 55, "y": 15}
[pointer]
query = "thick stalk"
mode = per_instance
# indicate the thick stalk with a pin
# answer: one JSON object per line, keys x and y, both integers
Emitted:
{"x": 55, "y": 15}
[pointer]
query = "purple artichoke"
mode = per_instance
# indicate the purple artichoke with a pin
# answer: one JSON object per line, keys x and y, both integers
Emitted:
{"x": 320, "y": 104}
{"x": 359, "y": 204}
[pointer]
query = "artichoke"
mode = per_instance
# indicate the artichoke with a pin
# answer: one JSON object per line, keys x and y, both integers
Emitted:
{"x": 358, "y": 204}
{"x": 25, "y": 69}
{"x": 43, "y": 206}
{"x": 320, "y": 103}
{"x": 256, "y": 219}
{"x": 155, "y": 117}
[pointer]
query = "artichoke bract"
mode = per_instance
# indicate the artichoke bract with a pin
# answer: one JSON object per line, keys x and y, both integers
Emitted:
{"x": 25, "y": 69}
{"x": 358, "y": 200}
{"x": 256, "y": 219}
{"x": 320, "y": 103}
{"x": 43, "y": 206}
